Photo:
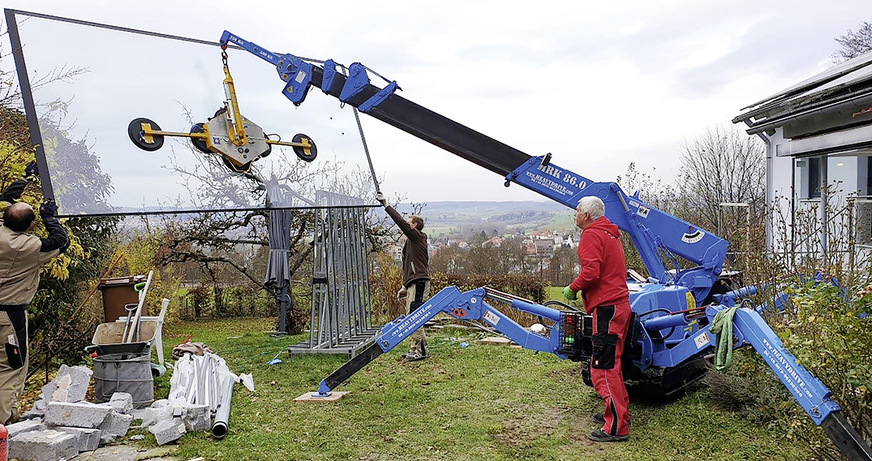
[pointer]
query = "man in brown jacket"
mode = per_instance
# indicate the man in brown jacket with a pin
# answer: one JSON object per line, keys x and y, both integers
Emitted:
{"x": 416, "y": 273}
{"x": 21, "y": 256}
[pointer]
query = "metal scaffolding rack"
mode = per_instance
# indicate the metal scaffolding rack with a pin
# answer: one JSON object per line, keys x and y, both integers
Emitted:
{"x": 341, "y": 318}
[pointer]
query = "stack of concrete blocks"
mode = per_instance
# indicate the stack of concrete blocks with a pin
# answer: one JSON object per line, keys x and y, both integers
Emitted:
{"x": 70, "y": 385}
{"x": 64, "y": 425}
{"x": 168, "y": 421}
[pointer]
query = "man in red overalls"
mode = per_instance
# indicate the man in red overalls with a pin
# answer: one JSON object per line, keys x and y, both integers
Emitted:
{"x": 603, "y": 285}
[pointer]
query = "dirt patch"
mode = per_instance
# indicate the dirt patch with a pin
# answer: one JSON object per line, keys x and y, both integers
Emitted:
{"x": 520, "y": 433}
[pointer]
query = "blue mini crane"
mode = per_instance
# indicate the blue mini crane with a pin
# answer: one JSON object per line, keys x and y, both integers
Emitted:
{"x": 670, "y": 335}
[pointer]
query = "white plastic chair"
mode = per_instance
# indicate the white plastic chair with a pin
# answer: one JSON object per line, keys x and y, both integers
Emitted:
{"x": 158, "y": 332}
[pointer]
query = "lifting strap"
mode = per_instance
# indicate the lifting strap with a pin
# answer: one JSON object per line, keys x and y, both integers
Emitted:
{"x": 722, "y": 325}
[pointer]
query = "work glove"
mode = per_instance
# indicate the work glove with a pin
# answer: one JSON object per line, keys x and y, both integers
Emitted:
{"x": 401, "y": 295}
{"x": 14, "y": 191}
{"x": 380, "y": 198}
{"x": 569, "y": 294}
{"x": 31, "y": 170}
{"x": 48, "y": 210}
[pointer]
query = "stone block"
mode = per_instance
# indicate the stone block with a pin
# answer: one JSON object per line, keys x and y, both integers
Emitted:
{"x": 70, "y": 385}
{"x": 26, "y": 425}
{"x": 150, "y": 416}
{"x": 86, "y": 439}
{"x": 143, "y": 414}
{"x": 167, "y": 431}
{"x": 47, "y": 445}
{"x": 81, "y": 414}
{"x": 37, "y": 410}
{"x": 115, "y": 425}
{"x": 197, "y": 418}
{"x": 121, "y": 402}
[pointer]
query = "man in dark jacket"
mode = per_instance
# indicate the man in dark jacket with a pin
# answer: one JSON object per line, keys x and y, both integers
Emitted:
{"x": 603, "y": 285}
{"x": 21, "y": 256}
{"x": 416, "y": 273}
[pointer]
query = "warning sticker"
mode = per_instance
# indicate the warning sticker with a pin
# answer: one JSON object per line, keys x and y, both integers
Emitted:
{"x": 702, "y": 340}
{"x": 491, "y": 317}
{"x": 643, "y": 211}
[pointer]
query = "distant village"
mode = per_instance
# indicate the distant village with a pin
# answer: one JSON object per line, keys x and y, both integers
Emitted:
{"x": 533, "y": 243}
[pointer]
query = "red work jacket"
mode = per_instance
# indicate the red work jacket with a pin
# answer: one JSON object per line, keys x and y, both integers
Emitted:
{"x": 603, "y": 277}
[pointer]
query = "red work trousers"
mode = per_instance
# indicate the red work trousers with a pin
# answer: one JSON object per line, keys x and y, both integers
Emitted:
{"x": 609, "y": 329}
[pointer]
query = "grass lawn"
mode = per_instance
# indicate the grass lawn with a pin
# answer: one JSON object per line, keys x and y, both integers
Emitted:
{"x": 474, "y": 403}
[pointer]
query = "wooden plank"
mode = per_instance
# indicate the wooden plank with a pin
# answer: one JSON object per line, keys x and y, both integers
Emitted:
{"x": 496, "y": 341}
{"x": 313, "y": 397}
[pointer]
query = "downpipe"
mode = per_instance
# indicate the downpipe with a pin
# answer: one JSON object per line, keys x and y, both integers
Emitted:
{"x": 222, "y": 415}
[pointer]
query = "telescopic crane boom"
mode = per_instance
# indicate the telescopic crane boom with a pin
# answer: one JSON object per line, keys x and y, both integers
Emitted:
{"x": 659, "y": 237}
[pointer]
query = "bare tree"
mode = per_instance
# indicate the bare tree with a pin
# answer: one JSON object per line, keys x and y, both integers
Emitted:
{"x": 651, "y": 188}
{"x": 230, "y": 247}
{"x": 10, "y": 92}
{"x": 724, "y": 165}
{"x": 562, "y": 266}
{"x": 854, "y": 44}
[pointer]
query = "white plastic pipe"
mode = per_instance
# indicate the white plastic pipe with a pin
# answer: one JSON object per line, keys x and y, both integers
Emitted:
{"x": 222, "y": 416}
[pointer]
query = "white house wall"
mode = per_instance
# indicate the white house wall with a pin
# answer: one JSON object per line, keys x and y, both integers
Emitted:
{"x": 779, "y": 190}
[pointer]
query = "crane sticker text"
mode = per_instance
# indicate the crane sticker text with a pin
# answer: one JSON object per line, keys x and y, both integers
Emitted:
{"x": 491, "y": 318}
{"x": 563, "y": 176}
{"x": 552, "y": 185}
{"x": 411, "y": 322}
{"x": 701, "y": 340}
{"x": 784, "y": 366}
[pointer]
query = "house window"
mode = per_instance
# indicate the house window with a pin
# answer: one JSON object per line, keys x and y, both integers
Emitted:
{"x": 868, "y": 190}
{"x": 813, "y": 177}
{"x": 863, "y": 211}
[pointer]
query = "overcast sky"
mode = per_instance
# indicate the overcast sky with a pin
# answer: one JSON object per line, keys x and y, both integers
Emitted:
{"x": 597, "y": 84}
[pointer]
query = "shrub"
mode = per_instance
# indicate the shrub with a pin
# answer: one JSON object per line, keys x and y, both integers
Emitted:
{"x": 831, "y": 335}
{"x": 386, "y": 280}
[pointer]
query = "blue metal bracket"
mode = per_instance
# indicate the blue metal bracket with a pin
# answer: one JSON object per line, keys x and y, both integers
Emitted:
{"x": 355, "y": 83}
{"x": 291, "y": 69}
{"x": 329, "y": 75}
{"x": 379, "y": 97}
{"x": 298, "y": 74}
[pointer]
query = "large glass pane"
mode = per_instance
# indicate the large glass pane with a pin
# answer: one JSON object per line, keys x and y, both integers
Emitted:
{"x": 116, "y": 76}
